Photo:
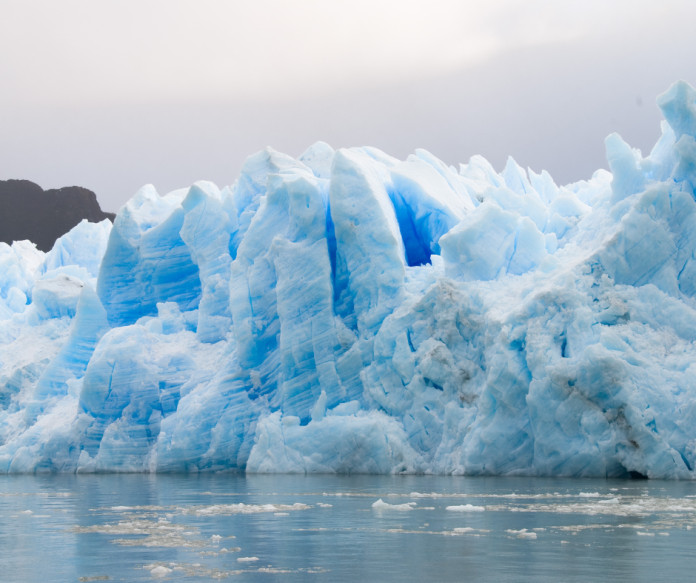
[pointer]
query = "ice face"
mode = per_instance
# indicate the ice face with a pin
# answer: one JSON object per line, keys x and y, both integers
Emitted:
{"x": 349, "y": 312}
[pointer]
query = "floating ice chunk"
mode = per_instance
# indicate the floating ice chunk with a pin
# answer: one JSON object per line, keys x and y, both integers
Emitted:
{"x": 160, "y": 571}
{"x": 466, "y": 508}
{"x": 382, "y": 505}
{"x": 522, "y": 533}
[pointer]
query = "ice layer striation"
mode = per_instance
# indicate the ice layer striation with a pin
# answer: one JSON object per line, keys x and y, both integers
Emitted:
{"x": 350, "y": 312}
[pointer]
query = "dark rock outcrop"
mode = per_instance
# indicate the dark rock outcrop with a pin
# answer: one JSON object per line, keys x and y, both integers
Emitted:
{"x": 29, "y": 212}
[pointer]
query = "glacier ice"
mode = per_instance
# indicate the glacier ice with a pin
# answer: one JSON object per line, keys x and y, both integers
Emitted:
{"x": 350, "y": 312}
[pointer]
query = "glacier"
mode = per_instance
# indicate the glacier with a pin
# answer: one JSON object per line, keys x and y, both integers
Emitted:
{"x": 350, "y": 312}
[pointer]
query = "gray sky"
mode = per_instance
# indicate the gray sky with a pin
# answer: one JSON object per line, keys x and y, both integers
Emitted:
{"x": 113, "y": 95}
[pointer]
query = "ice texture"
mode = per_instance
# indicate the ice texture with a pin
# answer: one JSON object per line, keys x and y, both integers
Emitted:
{"x": 350, "y": 312}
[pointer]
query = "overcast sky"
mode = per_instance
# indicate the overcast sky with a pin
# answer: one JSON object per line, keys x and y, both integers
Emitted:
{"x": 113, "y": 95}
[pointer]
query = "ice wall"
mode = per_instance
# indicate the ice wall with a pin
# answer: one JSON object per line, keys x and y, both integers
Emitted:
{"x": 350, "y": 312}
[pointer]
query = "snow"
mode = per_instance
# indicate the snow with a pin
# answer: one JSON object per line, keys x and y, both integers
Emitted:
{"x": 350, "y": 312}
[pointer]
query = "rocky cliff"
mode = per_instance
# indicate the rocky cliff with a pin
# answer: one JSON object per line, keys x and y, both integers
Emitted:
{"x": 29, "y": 212}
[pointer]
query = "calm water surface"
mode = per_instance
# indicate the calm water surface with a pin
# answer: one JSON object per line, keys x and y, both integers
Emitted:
{"x": 350, "y": 528}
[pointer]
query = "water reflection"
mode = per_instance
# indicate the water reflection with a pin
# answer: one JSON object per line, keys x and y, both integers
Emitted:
{"x": 343, "y": 528}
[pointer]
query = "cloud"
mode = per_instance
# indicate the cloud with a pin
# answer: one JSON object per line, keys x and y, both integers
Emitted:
{"x": 154, "y": 50}
{"x": 113, "y": 95}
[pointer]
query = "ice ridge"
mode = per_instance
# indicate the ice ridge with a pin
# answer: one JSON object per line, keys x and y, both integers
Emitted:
{"x": 350, "y": 312}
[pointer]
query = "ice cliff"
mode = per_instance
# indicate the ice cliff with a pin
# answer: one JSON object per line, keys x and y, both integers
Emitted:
{"x": 350, "y": 312}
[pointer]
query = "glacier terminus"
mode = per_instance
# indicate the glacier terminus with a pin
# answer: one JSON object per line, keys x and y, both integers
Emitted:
{"x": 350, "y": 312}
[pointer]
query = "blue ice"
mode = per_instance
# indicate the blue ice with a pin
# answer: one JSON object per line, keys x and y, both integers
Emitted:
{"x": 346, "y": 311}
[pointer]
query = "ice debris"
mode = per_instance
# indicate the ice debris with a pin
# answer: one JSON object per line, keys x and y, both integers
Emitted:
{"x": 350, "y": 312}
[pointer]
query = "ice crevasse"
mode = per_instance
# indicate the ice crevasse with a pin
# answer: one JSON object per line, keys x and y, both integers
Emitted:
{"x": 350, "y": 312}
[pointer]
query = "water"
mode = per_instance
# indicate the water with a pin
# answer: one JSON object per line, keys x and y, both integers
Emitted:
{"x": 332, "y": 528}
